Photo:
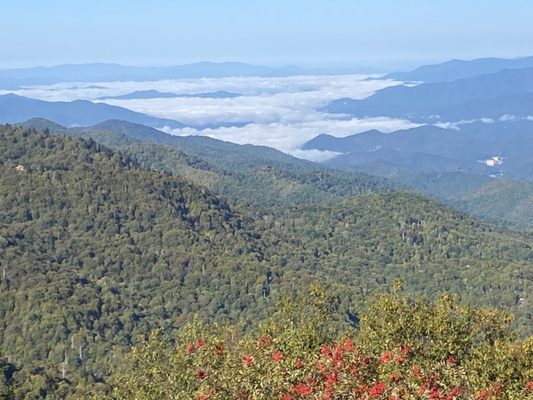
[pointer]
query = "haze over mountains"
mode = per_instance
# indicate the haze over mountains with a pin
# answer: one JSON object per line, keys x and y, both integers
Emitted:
{"x": 460, "y": 69}
{"x": 475, "y": 116}
{"x": 15, "y": 109}
{"x": 154, "y": 94}
{"x": 502, "y": 92}
{"x": 102, "y": 72}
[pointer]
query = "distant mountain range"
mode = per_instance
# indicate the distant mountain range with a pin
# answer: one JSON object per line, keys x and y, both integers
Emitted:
{"x": 428, "y": 148}
{"x": 458, "y": 167}
{"x": 460, "y": 69}
{"x": 154, "y": 94}
{"x": 12, "y": 79}
{"x": 490, "y": 96}
{"x": 14, "y": 109}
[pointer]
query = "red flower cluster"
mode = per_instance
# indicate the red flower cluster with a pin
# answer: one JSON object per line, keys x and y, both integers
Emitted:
{"x": 277, "y": 356}
{"x": 342, "y": 368}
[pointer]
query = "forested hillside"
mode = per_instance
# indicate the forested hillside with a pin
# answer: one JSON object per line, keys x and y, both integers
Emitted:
{"x": 95, "y": 252}
{"x": 255, "y": 174}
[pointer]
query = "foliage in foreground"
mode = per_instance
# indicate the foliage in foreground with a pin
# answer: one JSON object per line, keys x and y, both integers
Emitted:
{"x": 407, "y": 348}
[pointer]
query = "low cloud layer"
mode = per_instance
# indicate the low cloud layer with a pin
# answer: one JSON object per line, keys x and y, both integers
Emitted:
{"x": 277, "y": 112}
{"x": 289, "y": 136}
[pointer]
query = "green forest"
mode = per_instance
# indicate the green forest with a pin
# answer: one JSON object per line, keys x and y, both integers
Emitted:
{"x": 102, "y": 248}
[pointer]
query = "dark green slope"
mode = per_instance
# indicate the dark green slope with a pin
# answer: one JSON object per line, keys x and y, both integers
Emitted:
{"x": 95, "y": 251}
{"x": 500, "y": 201}
{"x": 98, "y": 251}
{"x": 256, "y": 174}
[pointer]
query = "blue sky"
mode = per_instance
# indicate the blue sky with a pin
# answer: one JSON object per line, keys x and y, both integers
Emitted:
{"x": 379, "y": 33}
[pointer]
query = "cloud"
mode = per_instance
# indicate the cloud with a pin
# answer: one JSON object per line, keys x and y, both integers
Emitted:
{"x": 280, "y": 112}
{"x": 507, "y": 117}
{"x": 315, "y": 155}
{"x": 457, "y": 124}
{"x": 289, "y": 136}
{"x": 447, "y": 125}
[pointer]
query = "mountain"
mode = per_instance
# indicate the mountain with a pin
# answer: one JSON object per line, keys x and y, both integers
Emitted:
{"x": 455, "y": 166}
{"x": 257, "y": 174}
{"x": 460, "y": 69}
{"x": 101, "y": 72}
{"x": 427, "y": 101}
{"x": 12, "y": 79}
{"x": 141, "y": 94}
{"x": 97, "y": 251}
{"x": 469, "y": 147}
{"x": 497, "y": 200}
{"x": 154, "y": 94}
{"x": 507, "y": 106}
{"x": 220, "y": 94}
{"x": 14, "y": 109}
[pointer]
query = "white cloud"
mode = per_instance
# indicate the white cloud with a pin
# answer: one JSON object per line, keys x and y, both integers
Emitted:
{"x": 315, "y": 155}
{"x": 447, "y": 125}
{"x": 507, "y": 117}
{"x": 457, "y": 124}
{"x": 289, "y": 136}
{"x": 280, "y": 112}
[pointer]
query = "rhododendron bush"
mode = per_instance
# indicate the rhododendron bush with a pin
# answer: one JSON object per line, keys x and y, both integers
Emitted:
{"x": 405, "y": 348}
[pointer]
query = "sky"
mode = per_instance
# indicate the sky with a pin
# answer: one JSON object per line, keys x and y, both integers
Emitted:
{"x": 380, "y": 34}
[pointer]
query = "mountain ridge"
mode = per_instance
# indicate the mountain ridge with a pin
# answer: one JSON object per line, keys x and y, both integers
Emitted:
{"x": 459, "y": 69}
{"x": 17, "y": 109}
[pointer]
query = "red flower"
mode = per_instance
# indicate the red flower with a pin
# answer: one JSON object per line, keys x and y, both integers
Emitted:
{"x": 277, "y": 356}
{"x": 299, "y": 364}
{"x": 326, "y": 351}
{"x": 377, "y": 390}
{"x": 395, "y": 378}
{"x": 348, "y": 345}
{"x": 331, "y": 378}
{"x": 406, "y": 350}
{"x": 400, "y": 359}
{"x": 483, "y": 395}
{"x": 201, "y": 374}
{"x": 303, "y": 390}
{"x": 386, "y": 357}
{"x": 416, "y": 371}
{"x": 200, "y": 343}
{"x": 434, "y": 393}
{"x": 529, "y": 386}
{"x": 454, "y": 394}
{"x": 249, "y": 360}
{"x": 451, "y": 360}
{"x": 202, "y": 397}
{"x": 264, "y": 340}
{"x": 189, "y": 348}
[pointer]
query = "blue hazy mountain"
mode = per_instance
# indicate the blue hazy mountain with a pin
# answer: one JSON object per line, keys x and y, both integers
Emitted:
{"x": 430, "y": 149}
{"x": 101, "y": 72}
{"x": 141, "y": 95}
{"x": 428, "y": 100}
{"x": 15, "y": 109}
{"x": 12, "y": 79}
{"x": 518, "y": 105}
{"x": 154, "y": 94}
{"x": 459, "y": 69}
